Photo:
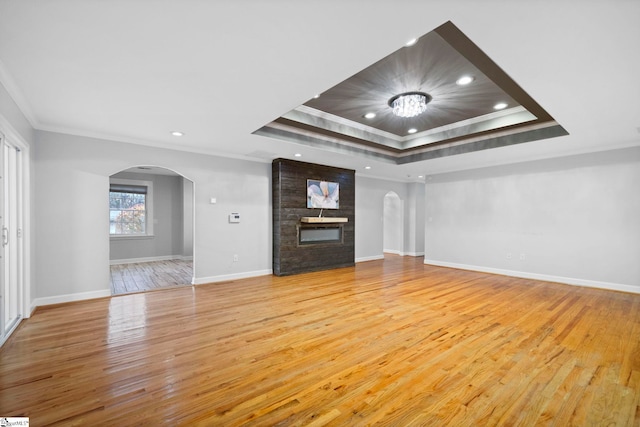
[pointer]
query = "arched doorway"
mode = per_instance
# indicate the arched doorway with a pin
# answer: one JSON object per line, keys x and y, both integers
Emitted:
{"x": 393, "y": 224}
{"x": 151, "y": 211}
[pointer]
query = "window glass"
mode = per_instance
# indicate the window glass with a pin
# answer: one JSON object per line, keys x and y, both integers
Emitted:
{"x": 127, "y": 212}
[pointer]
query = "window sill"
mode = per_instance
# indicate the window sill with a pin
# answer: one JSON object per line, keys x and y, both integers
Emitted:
{"x": 130, "y": 236}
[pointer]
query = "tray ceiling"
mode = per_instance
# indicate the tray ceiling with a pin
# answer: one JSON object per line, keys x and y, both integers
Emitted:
{"x": 458, "y": 119}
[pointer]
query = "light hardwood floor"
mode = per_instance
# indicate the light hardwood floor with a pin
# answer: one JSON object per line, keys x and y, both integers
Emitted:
{"x": 390, "y": 342}
{"x": 148, "y": 276}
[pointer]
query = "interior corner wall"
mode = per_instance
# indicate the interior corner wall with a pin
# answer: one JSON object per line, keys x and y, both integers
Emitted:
{"x": 73, "y": 231}
{"x": 571, "y": 219}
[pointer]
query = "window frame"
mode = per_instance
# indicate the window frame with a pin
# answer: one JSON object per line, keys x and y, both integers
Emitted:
{"x": 148, "y": 206}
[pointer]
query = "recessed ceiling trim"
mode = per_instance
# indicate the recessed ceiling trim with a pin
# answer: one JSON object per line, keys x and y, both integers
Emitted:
{"x": 311, "y": 139}
{"x": 475, "y": 131}
{"x": 474, "y": 120}
{"x": 327, "y": 121}
{"x": 544, "y": 132}
{"x": 308, "y": 115}
{"x": 530, "y": 129}
{"x": 535, "y": 132}
{"x": 469, "y": 130}
{"x": 495, "y": 139}
{"x": 337, "y": 135}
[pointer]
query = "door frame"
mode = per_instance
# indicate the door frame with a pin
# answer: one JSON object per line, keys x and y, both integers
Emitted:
{"x": 22, "y": 250}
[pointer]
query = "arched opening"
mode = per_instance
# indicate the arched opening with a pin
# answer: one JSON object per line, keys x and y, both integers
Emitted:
{"x": 393, "y": 224}
{"x": 151, "y": 229}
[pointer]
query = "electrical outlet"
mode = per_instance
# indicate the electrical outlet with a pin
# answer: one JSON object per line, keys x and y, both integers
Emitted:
{"x": 235, "y": 258}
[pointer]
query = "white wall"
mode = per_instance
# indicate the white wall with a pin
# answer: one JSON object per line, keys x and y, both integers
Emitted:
{"x": 414, "y": 219}
{"x": 187, "y": 218}
{"x": 370, "y": 193}
{"x": 72, "y": 254}
{"x": 573, "y": 219}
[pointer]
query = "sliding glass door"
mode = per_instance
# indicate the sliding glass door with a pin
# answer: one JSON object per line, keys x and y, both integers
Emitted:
{"x": 11, "y": 241}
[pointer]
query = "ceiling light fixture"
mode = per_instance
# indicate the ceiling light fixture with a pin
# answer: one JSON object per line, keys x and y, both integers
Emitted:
{"x": 411, "y": 42}
{"x": 412, "y": 130}
{"x": 500, "y": 106}
{"x": 369, "y": 115}
{"x": 409, "y": 104}
{"x": 177, "y": 133}
{"x": 367, "y": 167}
{"x": 297, "y": 155}
{"x": 464, "y": 80}
{"x": 316, "y": 96}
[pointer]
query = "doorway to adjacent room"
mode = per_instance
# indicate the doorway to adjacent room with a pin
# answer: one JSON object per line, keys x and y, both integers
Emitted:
{"x": 151, "y": 223}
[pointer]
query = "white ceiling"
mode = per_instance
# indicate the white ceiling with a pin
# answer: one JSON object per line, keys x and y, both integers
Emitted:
{"x": 135, "y": 70}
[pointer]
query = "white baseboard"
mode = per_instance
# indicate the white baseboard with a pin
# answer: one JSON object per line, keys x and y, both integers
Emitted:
{"x": 59, "y": 299}
{"x": 369, "y": 258}
{"x": 149, "y": 259}
{"x": 537, "y": 276}
{"x": 378, "y": 257}
{"x": 227, "y": 277}
{"x": 394, "y": 252}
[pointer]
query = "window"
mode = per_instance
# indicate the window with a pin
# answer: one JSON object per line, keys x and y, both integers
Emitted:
{"x": 130, "y": 208}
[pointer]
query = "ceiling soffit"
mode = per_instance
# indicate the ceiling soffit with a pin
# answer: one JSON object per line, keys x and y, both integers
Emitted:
{"x": 459, "y": 119}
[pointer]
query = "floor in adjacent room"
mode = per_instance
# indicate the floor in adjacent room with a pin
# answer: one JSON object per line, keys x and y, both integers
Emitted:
{"x": 149, "y": 276}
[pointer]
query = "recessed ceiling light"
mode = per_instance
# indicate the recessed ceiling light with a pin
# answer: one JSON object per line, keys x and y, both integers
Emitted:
{"x": 297, "y": 155}
{"x": 177, "y": 133}
{"x": 412, "y": 130}
{"x": 411, "y": 42}
{"x": 367, "y": 167}
{"x": 500, "y": 106}
{"x": 369, "y": 115}
{"x": 316, "y": 96}
{"x": 464, "y": 80}
{"x": 421, "y": 176}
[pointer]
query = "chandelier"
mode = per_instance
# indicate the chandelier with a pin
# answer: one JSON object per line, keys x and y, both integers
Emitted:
{"x": 409, "y": 104}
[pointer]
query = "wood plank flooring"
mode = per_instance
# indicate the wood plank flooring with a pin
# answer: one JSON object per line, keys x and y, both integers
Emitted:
{"x": 393, "y": 342}
{"x": 148, "y": 276}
